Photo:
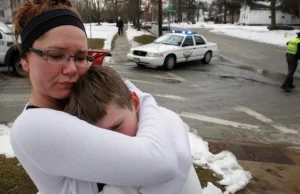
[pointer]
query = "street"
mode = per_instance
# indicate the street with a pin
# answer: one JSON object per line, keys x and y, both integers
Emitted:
{"x": 219, "y": 101}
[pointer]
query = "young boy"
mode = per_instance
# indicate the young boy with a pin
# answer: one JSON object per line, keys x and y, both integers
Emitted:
{"x": 102, "y": 98}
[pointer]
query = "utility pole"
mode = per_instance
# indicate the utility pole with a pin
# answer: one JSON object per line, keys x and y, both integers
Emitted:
{"x": 159, "y": 17}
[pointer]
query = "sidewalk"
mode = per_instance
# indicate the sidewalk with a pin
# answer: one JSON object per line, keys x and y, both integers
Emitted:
{"x": 274, "y": 169}
{"x": 121, "y": 48}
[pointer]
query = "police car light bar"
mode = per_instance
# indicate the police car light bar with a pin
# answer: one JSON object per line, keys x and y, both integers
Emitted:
{"x": 182, "y": 32}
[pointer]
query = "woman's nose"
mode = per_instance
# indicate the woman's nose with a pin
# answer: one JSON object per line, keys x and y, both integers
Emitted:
{"x": 70, "y": 67}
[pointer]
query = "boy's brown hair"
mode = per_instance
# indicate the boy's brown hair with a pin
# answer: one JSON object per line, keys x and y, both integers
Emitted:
{"x": 99, "y": 87}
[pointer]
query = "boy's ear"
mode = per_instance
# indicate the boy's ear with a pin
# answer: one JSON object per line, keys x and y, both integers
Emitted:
{"x": 25, "y": 64}
{"x": 135, "y": 101}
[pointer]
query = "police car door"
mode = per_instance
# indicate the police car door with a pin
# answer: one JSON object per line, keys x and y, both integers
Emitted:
{"x": 2, "y": 47}
{"x": 188, "y": 48}
{"x": 200, "y": 47}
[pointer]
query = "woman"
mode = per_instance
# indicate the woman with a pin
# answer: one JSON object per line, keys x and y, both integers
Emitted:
{"x": 61, "y": 153}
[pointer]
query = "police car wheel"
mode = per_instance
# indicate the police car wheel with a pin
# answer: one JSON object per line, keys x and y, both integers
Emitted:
{"x": 17, "y": 67}
{"x": 207, "y": 57}
{"x": 140, "y": 65}
{"x": 169, "y": 62}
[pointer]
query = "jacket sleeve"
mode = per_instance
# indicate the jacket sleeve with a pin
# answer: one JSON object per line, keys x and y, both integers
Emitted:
{"x": 63, "y": 145}
{"x": 298, "y": 50}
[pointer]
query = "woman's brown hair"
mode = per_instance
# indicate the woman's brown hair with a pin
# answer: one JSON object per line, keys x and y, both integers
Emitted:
{"x": 33, "y": 8}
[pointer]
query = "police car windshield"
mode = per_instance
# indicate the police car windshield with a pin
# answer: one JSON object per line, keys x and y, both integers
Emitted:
{"x": 5, "y": 28}
{"x": 169, "y": 39}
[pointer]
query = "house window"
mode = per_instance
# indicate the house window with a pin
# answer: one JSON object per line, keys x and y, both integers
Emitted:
{"x": 2, "y": 13}
{"x": 269, "y": 16}
{"x": 283, "y": 17}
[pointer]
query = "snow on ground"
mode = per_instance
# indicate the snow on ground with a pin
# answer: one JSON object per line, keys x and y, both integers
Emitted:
{"x": 5, "y": 147}
{"x": 105, "y": 31}
{"x": 234, "y": 177}
{"x": 224, "y": 163}
{"x": 255, "y": 33}
{"x": 131, "y": 33}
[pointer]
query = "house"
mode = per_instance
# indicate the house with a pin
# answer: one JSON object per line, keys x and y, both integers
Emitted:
{"x": 258, "y": 13}
{"x": 6, "y": 7}
{"x": 219, "y": 18}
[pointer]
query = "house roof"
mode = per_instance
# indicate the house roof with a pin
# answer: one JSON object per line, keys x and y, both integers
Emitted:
{"x": 260, "y": 5}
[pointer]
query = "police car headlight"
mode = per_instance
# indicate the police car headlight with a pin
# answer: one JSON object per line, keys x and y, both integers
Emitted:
{"x": 155, "y": 55}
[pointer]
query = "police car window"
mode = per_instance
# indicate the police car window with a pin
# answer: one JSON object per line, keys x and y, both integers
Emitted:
{"x": 169, "y": 40}
{"x": 199, "y": 40}
{"x": 188, "y": 41}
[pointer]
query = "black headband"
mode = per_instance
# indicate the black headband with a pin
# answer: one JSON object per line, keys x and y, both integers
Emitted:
{"x": 45, "y": 22}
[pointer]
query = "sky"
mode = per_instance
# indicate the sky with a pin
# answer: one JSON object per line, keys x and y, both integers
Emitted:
{"x": 224, "y": 163}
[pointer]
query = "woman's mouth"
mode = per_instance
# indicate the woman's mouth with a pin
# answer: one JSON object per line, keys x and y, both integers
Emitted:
{"x": 66, "y": 84}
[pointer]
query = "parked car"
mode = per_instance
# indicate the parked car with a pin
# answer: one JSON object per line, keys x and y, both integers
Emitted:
{"x": 165, "y": 26}
{"x": 281, "y": 27}
{"x": 174, "y": 47}
{"x": 9, "y": 53}
{"x": 147, "y": 25}
{"x": 154, "y": 22}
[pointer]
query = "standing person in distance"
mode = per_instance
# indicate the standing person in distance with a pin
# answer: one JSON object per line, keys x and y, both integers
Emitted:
{"x": 120, "y": 25}
{"x": 292, "y": 57}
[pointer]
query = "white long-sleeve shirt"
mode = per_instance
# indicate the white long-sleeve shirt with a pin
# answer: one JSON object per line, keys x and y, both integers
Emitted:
{"x": 65, "y": 155}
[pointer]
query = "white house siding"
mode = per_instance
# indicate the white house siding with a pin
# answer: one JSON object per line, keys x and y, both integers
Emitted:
{"x": 244, "y": 15}
{"x": 262, "y": 17}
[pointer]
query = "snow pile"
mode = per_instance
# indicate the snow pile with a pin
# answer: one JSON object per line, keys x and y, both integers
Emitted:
{"x": 268, "y": 3}
{"x": 105, "y": 31}
{"x": 224, "y": 164}
{"x": 131, "y": 33}
{"x": 211, "y": 189}
{"x": 255, "y": 33}
{"x": 5, "y": 146}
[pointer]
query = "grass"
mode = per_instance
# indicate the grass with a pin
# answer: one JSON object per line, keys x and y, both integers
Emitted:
{"x": 207, "y": 175}
{"x": 96, "y": 43}
{"x": 144, "y": 39}
{"x": 14, "y": 179}
{"x": 114, "y": 41}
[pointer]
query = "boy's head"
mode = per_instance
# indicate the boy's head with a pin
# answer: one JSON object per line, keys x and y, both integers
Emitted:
{"x": 102, "y": 98}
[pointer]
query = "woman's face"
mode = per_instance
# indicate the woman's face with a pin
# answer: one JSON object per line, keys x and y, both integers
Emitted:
{"x": 51, "y": 79}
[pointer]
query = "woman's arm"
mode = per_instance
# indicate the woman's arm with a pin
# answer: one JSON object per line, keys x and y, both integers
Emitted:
{"x": 62, "y": 145}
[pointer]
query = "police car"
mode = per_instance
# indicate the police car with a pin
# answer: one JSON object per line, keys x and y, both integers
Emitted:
{"x": 174, "y": 47}
{"x": 9, "y": 53}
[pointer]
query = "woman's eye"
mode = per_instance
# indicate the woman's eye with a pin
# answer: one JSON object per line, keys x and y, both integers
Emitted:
{"x": 56, "y": 55}
{"x": 81, "y": 58}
